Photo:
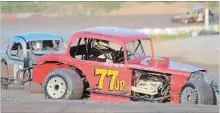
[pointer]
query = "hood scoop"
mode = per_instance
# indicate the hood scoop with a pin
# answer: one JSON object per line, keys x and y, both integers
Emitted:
{"x": 156, "y": 62}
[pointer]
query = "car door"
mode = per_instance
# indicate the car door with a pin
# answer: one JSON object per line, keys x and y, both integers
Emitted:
{"x": 112, "y": 75}
{"x": 111, "y": 78}
{"x": 104, "y": 77}
{"x": 16, "y": 52}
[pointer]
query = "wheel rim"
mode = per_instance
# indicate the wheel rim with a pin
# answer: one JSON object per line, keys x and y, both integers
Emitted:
{"x": 188, "y": 96}
{"x": 56, "y": 87}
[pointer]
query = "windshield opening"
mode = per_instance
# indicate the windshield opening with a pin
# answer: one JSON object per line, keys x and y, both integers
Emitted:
{"x": 138, "y": 48}
{"x": 46, "y": 46}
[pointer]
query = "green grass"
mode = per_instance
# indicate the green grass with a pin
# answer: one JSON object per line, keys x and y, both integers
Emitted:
{"x": 25, "y": 7}
{"x": 169, "y": 37}
{"x": 75, "y": 7}
{"x": 55, "y": 7}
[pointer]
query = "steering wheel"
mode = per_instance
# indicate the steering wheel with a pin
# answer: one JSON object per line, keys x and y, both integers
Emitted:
{"x": 121, "y": 59}
{"x": 108, "y": 52}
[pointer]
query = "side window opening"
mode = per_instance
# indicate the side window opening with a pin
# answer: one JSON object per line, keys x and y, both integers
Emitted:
{"x": 17, "y": 50}
{"x": 97, "y": 50}
{"x": 138, "y": 48}
{"x": 78, "y": 48}
{"x": 42, "y": 45}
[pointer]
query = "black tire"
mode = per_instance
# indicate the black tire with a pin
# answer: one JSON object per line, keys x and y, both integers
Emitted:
{"x": 72, "y": 81}
{"x": 201, "y": 91}
{"x": 4, "y": 74}
{"x": 210, "y": 78}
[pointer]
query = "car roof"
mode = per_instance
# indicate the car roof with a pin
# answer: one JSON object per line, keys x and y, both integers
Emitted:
{"x": 31, "y": 36}
{"x": 115, "y": 33}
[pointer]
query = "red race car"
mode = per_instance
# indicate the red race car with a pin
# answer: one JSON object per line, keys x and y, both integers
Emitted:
{"x": 197, "y": 15}
{"x": 118, "y": 64}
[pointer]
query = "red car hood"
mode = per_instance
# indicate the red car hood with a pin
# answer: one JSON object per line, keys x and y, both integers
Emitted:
{"x": 158, "y": 63}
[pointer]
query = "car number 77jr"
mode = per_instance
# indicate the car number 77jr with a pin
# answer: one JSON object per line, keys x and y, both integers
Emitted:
{"x": 118, "y": 64}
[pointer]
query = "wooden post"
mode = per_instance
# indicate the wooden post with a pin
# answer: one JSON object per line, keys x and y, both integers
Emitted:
{"x": 158, "y": 36}
{"x": 206, "y": 16}
{"x": 1, "y": 39}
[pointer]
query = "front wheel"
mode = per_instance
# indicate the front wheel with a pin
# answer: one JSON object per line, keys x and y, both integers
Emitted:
{"x": 63, "y": 84}
{"x": 196, "y": 92}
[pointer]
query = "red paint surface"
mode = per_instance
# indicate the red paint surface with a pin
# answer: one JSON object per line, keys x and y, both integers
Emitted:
{"x": 15, "y": 16}
{"x": 177, "y": 81}
{"x": 9, "y": 16}
{"x": 36, "y": 15}
{"x": 159, "y": 63}
{"x": 108, "y": 98}
{"x": 41, "y": 71}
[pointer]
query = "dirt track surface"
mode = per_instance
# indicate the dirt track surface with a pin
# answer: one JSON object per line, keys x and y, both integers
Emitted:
{"x": 36, "y": 103}
{"x": 195, "y": 51}
{"x": 24, "y": 102}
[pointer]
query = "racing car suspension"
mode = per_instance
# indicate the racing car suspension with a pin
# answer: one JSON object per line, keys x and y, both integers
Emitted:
{"x": 23, "y": 70}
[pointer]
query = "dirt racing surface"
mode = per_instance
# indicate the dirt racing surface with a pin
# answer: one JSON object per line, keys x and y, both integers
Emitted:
{"x": 32, "y": 103}
{"x": 200, "y": 51}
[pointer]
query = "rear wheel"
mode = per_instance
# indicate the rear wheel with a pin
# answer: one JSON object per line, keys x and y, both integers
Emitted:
{"x": 63, "y": 84}
{"x": 196, "y": 92}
